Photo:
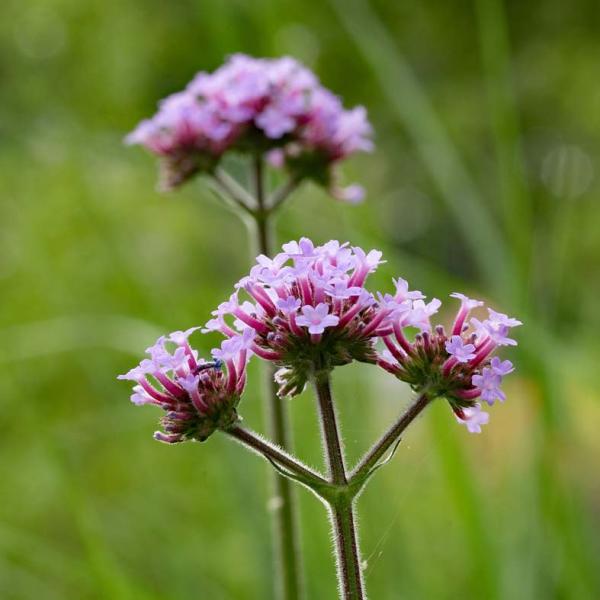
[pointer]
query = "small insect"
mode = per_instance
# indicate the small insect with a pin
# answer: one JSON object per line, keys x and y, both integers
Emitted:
{"x": 213, "y": 364}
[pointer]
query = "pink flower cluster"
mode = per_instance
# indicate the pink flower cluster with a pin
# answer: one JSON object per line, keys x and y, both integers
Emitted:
{"x": 307, "y": 308}
{"x": 198, "y": 396}
{"x": 460, "y": 366}
{"x": 248, "y": 104}
{"x": 307, "y": 303}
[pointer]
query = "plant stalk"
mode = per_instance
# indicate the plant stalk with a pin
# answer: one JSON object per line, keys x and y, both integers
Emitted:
{"x": 285, "y": 521}
{"x": 372, "y": 457}
{"x": 343, "y": 521}
{"x": 271, "y": 452}
{"x": 341, "y": 502}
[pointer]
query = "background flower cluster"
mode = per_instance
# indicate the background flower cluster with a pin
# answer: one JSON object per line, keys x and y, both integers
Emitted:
{"x": 256, "y": 105}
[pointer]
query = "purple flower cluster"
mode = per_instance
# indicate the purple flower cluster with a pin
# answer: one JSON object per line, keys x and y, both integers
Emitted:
{"x": 198, "y": 396}
{"x": 308, "y": 309}
{"x": 307, "y": 304}
{"x": 459, "y": 366}
{"x": 275, "y": 106}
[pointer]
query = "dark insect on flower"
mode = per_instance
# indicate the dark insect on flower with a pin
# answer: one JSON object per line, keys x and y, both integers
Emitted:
{"x": 198, "y": 396}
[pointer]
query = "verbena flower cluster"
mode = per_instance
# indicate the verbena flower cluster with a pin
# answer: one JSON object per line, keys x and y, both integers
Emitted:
{"x": 198, "y": 396}
{"x": 307, "y": 305}
{"x": 459, "y": 366}
{"x": 273, "y": 106}
{"x": 308, "y": 309}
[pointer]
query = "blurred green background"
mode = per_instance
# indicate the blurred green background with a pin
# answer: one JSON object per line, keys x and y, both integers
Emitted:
{"x": 485, "y": 180}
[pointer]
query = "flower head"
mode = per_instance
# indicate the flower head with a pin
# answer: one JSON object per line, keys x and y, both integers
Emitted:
{"x": 458, "y": 367}
{"x": 276, "y": 106}
{"x": 198, "y": 396}
{"x": 309, "y": 303}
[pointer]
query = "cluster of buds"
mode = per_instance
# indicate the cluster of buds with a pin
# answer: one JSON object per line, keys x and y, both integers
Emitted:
{"x": 459, "y": 367}
{"x": 307, "y": 310}
{"x": 272, "y": 106}
{"x": 198, "y": 396}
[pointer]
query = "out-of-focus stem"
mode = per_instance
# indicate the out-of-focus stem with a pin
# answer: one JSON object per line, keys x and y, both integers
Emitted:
{"x": 261, "y": 211}
{"x": 233, "y": 190}
{"x": 285, "y": 519}
{"x": 281, "y": 194}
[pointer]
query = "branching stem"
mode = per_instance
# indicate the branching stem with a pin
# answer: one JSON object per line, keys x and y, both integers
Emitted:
{"x": 271, "y": 452}
{"x": 340, "y": 490}
{"x": 387, "y": 440}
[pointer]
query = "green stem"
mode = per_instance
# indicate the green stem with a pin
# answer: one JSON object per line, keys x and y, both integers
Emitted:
{"x": 341, "y": 499}
{"x": 343, "y": 522}
{"x": 271, "y": 452}
{"x": 285, "y": 517}
{"x": 331, "y": 435}
{"x": 372, "y": 457}
{"x": 230, "y": 190}
{"x": 281, "y": 194}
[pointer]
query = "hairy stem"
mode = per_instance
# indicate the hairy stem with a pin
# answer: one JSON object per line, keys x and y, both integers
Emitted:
{"x": 371, "y": 458}
{"x": 271, "y": 452}
{"x": 344, "y": 526}
{"x": 285, "y": 517}
{"x": 331, "y": 434}
{"x": 341, "y": 502}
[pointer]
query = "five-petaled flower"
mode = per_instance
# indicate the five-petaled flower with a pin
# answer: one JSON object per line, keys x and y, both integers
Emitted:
{"x": 317, "y": 318}
{"x": 472, "y": 417}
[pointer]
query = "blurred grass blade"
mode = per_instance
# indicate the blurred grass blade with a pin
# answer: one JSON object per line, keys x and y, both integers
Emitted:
{"x": 468, "y": 505}
{"x": 108, "y": 575}
{"x": 69, "y": 333}
{"x": 513, "y": 191}
{"x": 413, "y": 109}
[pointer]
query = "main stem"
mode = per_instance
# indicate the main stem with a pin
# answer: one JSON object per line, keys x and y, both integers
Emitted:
{"x": 341, "y": 502}
{"x": 285, "y": 522}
